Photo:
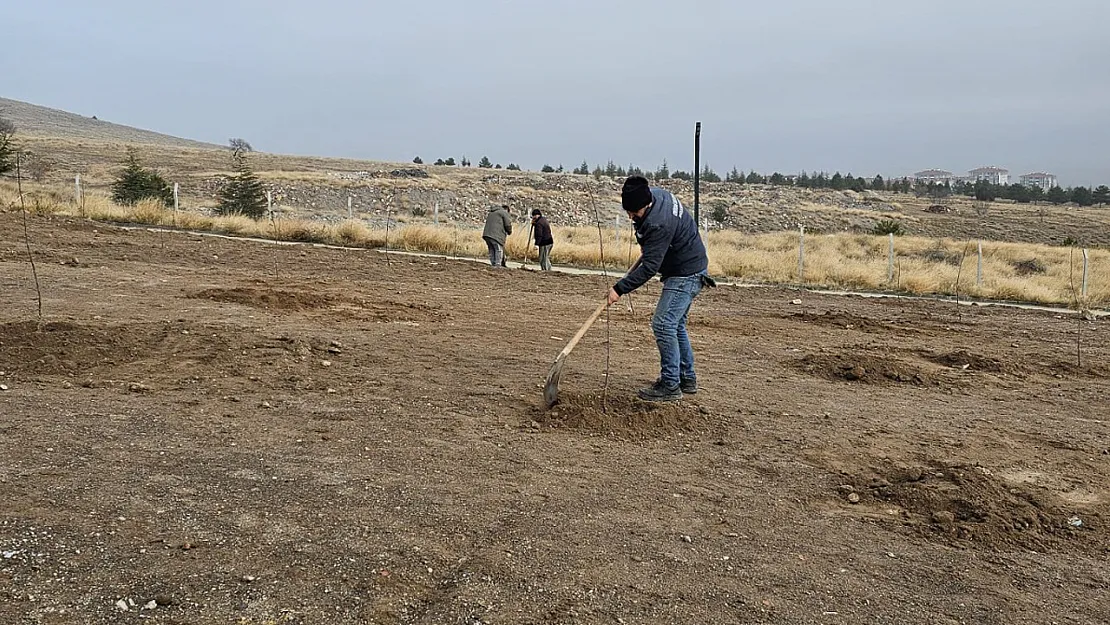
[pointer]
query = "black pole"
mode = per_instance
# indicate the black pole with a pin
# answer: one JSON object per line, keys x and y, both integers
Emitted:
{"x": 697, "y": 173}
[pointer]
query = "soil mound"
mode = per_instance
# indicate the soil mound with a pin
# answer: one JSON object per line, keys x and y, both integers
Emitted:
{"x": 621, "y": 416}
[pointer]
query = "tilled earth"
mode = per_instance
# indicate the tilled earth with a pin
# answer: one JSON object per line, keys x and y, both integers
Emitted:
{"x": 205, "y": 430}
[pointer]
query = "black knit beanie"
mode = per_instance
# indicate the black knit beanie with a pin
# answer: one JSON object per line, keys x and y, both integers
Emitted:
{"x": 636, "y": 194}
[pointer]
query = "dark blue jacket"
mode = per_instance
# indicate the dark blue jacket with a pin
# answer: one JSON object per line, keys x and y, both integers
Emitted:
{"x": 669, "y": 243}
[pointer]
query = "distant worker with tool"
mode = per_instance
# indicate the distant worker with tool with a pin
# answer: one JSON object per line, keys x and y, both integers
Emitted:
{"x": 499, "y": 225}
{"x": 544, "y": 240}
{"x": 671, "y": 246}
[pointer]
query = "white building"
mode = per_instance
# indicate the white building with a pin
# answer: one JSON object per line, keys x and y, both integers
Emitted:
{"x": 993, "y": 175}
{"x": 1040, "y": 180}
{"x": 939, "y": 176}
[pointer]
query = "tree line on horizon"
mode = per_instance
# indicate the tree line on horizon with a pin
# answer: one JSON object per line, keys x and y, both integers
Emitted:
{"x": 981, "y": 190}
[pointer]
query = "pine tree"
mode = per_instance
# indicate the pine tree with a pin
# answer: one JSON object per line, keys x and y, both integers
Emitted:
{"x": 708, "y": 175}
{"x": 663, "y": 172}
{"x": 484, "y": 163}
{"x": 583, "y": 169}
{"x": 7, "y": 146}
{"x": 1082, "y": 196}
{"x": 547, "y": 169}
{"x": 1101, "y": 195}
{"x": 1057, "y": 195}
{"x": 877, "y": 183}
{"x": 243, "y": 194}
{"x": 135, "y": 183}
{"x": 418, "y": 160}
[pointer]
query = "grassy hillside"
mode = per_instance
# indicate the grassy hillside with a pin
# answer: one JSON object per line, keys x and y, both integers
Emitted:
{"x": 32, "y": 120}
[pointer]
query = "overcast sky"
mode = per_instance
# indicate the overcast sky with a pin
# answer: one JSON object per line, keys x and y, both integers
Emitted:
{"x": 865, "y": 86}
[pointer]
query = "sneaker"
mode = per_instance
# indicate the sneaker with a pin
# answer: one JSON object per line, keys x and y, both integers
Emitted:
{"x": 660, "y": 392}
{"x": 688, "y": 386}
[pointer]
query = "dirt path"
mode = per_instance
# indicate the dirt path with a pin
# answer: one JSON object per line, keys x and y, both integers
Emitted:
{"x": 235, "y": 432}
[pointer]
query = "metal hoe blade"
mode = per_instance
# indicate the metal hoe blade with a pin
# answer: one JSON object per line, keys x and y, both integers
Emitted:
{"x": 551, "y": 387}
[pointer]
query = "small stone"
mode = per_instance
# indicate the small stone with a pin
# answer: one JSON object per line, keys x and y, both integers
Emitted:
{"x": 163, "y": 599}
{"x": 796, "y": 302}
{"x": 687, "y": 539}
{"x": 136, "y": 387}
{"x": 150, "y": 605}
{"x": 943, "y": 517}
{"x": 853, "y": 497}
{"x": 3, "y": 387}
{"x": 67, "y": 385}
{"x": 121, "y": 605}
{"x": 703, "y": 410}
{"x": 249, "y": 578}
{"x": 334, "y": 350}
{"x": 325, "y": 363}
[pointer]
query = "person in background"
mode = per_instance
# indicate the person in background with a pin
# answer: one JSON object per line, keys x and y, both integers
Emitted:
{"x": 499, "y": 225}
{"x": 544, "y": 240}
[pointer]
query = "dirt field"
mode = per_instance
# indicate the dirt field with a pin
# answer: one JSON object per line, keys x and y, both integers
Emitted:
{"x": 214, "y": 431}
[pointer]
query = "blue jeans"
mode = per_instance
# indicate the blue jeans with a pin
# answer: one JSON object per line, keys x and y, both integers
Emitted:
{"x": 676, "y": 357}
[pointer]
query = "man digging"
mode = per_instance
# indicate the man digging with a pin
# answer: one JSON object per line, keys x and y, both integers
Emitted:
{"x": 671, "y": 247}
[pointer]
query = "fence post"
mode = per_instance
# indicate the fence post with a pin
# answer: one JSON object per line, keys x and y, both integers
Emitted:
{"x": 435, "y": 214}
{"x": 979, "y": 267}
{"x": 270, "y": 204}
{"x": 350, "y": 211}
{"x": 890, "y": 261}
{"x": 176, "y": 203}
{"x": 77, "y": 190}
{"x": 801, "y": 253}
{"x": 1084, "y": 288}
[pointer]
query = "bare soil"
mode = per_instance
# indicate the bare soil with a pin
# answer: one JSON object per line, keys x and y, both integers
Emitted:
{"x": 203, "y": 430}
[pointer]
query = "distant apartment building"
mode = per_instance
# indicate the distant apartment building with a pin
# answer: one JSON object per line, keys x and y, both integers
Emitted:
{"x": 1040, "y": 180}
{"x": 938, "y": 176}
{"x": 993, "y": 175}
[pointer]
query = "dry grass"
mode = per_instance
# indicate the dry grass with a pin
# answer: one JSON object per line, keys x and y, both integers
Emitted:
{"x": 843, "y": 261}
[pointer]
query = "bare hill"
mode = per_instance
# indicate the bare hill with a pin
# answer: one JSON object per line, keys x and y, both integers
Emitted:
{"x": 40, "y": 121}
